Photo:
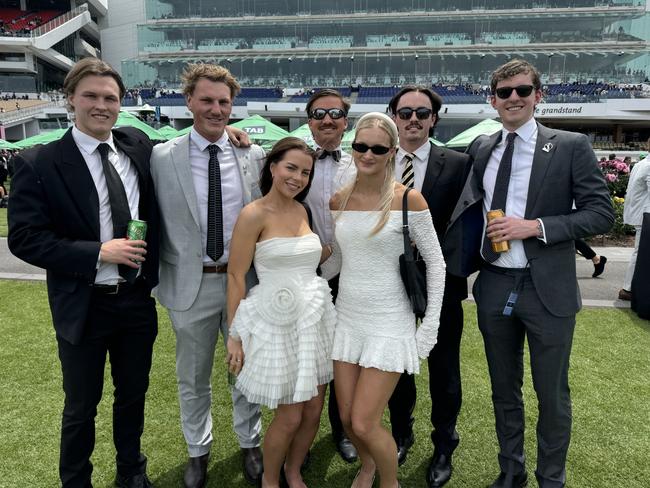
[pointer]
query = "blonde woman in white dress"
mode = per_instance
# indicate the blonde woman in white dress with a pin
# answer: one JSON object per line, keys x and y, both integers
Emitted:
{"x": 376, "y": 338}
{"x": 281, "y": 332}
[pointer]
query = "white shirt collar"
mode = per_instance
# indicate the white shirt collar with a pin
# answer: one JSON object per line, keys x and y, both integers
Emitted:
{"x": 202, "y": 143}
{"x": 88, "y": 144}
{"x": 421, "y": 153}
{"x": 525, "y": 132}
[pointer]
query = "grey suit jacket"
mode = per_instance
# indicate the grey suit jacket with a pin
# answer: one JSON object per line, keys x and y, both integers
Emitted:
{"x": 564, "y": 170}
{"x": 181, "y": 255}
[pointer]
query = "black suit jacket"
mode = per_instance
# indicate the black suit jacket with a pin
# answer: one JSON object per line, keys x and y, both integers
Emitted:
{"x": 565, "y": 172}
{"x": 54, "y": 222}
{"x": 441, "y": 188}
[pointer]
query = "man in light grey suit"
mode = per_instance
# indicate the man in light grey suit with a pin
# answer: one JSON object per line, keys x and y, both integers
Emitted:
{"x": 533, "y": 174}
{"x": 202, "y": 181}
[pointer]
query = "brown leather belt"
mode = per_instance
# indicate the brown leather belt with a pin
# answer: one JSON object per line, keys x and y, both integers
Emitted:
{"x": 219, "y": 268}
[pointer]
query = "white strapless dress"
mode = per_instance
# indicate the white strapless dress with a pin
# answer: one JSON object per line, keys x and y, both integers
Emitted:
{"x": 286, "y": 324}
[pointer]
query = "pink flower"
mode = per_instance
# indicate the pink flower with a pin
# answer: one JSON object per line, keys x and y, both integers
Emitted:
{"x": 611, "y": 177}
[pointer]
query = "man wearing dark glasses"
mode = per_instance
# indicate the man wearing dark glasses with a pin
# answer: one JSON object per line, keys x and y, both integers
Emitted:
{"x": 439, "y": 174}
{"x": 327, "y": 116}
{"x": 533, "y": 174}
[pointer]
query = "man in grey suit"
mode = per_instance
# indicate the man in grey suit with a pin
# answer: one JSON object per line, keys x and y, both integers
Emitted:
{"x": 533, "y": 174}
{"x": 202, "y": 181}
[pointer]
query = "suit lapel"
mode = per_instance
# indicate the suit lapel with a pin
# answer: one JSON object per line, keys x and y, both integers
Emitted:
{"x": 80, "y": 184}
{"x": 135, "y": 151}
{"x": 482, "y": 157}
{"x": 544, "y": 151}
{"x": 180, "y": 160}
{"x": 435, "y": 166}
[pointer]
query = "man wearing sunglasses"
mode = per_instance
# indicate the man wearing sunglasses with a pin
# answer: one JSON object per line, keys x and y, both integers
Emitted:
{"x": 533, "y": 174}
{"x": 327, "y": 116}
{"x": 439, "y": 174}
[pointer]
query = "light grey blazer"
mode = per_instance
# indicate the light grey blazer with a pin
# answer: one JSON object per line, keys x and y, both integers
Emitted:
{"x": 181, "y": 255}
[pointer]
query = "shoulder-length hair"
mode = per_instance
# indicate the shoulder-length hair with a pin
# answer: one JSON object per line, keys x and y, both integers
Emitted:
{"x": 385, "y": 123}
{"x": 276, "y": 154}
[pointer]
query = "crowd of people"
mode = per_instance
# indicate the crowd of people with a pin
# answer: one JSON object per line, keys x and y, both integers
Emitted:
{"x": 293, "y": 258}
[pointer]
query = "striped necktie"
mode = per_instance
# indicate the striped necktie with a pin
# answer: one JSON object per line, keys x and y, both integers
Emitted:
{"x": 408, "y": 175}
{"x": 214, "y": 244}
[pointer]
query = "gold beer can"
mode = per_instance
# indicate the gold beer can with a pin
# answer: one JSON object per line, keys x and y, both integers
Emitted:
{"x": 498, "y": 246}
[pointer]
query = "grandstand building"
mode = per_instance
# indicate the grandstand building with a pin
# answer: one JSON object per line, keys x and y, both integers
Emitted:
{"x": 40, "y": 40}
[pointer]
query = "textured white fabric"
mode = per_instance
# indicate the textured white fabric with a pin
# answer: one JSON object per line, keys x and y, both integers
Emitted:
{"x": 375, "y": 323}
{"x": 286, "y": 324}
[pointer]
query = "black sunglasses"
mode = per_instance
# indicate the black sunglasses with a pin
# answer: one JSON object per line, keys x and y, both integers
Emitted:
{"x": 334, "y": 113}
{"x": 421, "y": 113}
{"x": 362, "y": 148}
{"x": 522, "y": 91}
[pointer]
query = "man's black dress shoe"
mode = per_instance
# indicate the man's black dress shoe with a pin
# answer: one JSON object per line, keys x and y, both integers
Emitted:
{"x": 518, "y": 481}
{"x": 253, "y": 464}
{"x": 403, "y": 446}
{"x": 135, "y": 481}
{"x": 346, "y": 449}
{"x": 439, "y": 471}
{"x": 600, "y": 267}
{"x": 196, "y": 471}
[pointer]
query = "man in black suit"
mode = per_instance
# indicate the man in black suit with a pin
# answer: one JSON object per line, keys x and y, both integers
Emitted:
{"x": 439, "y": 174}
{"x": 534, "y": 175}
{"x": 71, "y": 201}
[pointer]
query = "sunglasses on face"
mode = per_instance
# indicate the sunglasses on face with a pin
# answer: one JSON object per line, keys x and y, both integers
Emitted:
{"x": 421, "y": 113}
{"x": 362, "y": 148}
{"x": 522, "y": 91}
{"x": 334, "y": 113}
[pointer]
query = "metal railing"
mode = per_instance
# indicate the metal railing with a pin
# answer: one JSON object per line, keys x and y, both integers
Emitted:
{"x": 60, "y": 20}
{"x": 28, "y": 112}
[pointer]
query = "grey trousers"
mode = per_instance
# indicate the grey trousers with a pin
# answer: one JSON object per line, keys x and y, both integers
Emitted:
{"x": 197, "y": 330}
{"x": 549, "y": 341}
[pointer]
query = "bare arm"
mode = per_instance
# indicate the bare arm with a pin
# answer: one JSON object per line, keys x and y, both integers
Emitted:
{"x": 238, "y": 137}
{"x": 242, "y": 249}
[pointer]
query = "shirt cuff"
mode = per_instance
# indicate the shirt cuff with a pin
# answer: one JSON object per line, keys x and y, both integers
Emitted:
{"x": 540, "y": 226}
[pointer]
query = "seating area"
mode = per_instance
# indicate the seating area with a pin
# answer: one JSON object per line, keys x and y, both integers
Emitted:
{"x": 275, "y": 42}
{"x": 303, "y": 97}
{"x": 504, "y": 38}
{"x": 447, "y": 39}
{"x": 21, "y": 22}
{"x": 330, "y": 42}
{"x": 167, "y": 46}
{"x": 395, "y": 40}
{"x": 221, "y": 44}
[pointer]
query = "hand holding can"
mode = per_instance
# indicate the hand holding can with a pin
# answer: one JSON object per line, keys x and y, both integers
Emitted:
{"x": 503, "y": 246}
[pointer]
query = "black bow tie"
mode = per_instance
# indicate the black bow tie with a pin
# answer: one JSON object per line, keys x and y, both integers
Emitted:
{"x": 336, "y": 154}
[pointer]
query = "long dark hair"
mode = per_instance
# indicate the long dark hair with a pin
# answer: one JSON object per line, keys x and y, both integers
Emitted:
{"x": 276, "y": 154}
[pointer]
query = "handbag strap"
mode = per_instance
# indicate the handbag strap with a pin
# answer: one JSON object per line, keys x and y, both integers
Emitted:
{"x": 408, "y": 249}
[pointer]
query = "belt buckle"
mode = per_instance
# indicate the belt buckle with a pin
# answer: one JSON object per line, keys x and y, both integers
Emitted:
{"x": 117, "y": 290}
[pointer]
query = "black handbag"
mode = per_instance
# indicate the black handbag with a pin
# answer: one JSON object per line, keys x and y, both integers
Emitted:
{"x": 412, "y": 268}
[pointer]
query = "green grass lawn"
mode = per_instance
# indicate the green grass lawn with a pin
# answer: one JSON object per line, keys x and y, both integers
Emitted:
{"x": 3, "y": 222}
{"x": 609, "y": 378}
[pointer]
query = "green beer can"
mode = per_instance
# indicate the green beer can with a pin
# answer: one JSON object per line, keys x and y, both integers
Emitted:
{"x": 136, "y": 230}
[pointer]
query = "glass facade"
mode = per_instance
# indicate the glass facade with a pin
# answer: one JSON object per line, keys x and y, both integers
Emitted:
{"x": 379, "y": 42}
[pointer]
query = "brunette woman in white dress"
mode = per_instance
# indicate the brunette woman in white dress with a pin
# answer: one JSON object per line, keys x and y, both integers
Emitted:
{"x": 376, "y": 338}
{"x": 281, "y": 332}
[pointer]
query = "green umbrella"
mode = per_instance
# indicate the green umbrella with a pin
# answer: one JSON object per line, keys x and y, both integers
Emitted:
{"x": 436, "y": 142}
{"x": 184, "y": 131}
{"x": 303, "y": 132}
{"x": 168, "y": 132}
{"x": 260, "y": 129}
{"x": 465, "y": 138}
{"x": 7, "y": 145}
{"x": 126, "y": 119}
{"x": 42, "y": 138}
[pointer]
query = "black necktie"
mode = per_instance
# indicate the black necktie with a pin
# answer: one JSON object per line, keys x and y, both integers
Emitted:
{"x": 500, "y": 194}
{"x": 120, "y": 212}
{"x": 408, "y": 175}
{"x": 336, "y": 154}
{"x": 214, "y": 244}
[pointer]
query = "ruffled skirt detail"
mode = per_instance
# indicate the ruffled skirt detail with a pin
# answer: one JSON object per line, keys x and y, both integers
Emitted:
{"x": 286, "y": 327}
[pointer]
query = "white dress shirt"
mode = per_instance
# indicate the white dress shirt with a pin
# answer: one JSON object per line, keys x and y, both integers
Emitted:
{"x": 420, "y": 161}
{"x": 232, "y": 196}
{"x": 329, "y": 177}
{"x": 107, "y": 273}
{"x": 637, "y": 197}
{"x": 522, "y": 164}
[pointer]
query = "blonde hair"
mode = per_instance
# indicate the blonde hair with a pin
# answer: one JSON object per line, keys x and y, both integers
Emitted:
{"x": 195, "y": 71}
{"x": 385, "y": 123}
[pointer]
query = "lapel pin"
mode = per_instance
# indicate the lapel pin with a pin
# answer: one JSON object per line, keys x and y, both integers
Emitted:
{"x": 547, "y": 147}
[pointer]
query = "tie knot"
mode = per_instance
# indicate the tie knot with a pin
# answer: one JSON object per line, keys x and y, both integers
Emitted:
{"x": 103, "y": 149}
{"x": 336, "y": 154}
{"x": 409, "y": 157}
{"x": 511, "y": 137}
{"x": 213, "y": 149}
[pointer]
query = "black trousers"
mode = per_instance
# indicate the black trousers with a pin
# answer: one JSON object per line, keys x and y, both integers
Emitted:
{"x": 583, "y": 248}
{"x": 444, "y": 385}
{"x": 332, "y": 405}
{"x": 549, "y": 342}
{"x": 125, "y": 327}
